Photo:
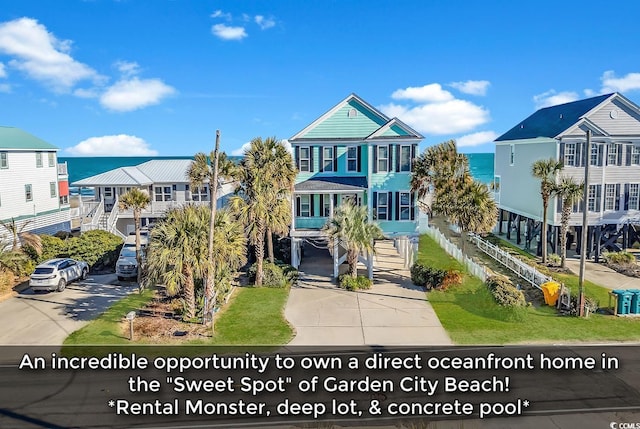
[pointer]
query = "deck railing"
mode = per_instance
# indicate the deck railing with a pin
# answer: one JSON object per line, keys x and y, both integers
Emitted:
{"x": 92, "y": 220}
{"x": 453, "y": 250}
{"x": 523, "y": 270}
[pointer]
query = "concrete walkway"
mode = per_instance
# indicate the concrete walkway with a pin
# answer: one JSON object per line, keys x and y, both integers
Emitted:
{"x": 604, "y": 276}
{"x": 392, "y": 312}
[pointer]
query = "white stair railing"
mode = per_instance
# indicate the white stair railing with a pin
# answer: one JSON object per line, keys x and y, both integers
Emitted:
{"x": 95, "y": 215}
{"x": 113, "y": 219}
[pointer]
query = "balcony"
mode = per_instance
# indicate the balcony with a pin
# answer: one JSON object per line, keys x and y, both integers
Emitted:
{"x": 316, "y": 222}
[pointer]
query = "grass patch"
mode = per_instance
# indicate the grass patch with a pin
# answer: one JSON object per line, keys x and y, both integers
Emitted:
{"x": 105, "y": 329}
{"x": 471, "y": 316}
{"x": 508, "y": 246}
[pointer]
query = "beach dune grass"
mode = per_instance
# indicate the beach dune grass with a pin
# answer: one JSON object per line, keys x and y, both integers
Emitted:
{"x": 471, "y": 316}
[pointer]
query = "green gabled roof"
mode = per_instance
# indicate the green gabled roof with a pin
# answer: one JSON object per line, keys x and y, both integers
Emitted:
{"x": 551, "y": 121}
{"x": 15, "y": 138}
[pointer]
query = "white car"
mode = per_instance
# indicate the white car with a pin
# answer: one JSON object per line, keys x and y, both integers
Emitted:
{"x": 56, "y": 273}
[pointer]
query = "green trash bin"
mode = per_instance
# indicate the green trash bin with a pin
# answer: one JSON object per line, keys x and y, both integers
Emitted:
{"x": 635, "y": 301}
{"x": 624, "y": 300}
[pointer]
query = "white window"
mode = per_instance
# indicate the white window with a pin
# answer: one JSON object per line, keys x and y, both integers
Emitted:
{"x": 327, "y": 158}
{"x": 108, "y": 192}
{"x": 64, "y": 199}
{"x": 52, "y": 159}
{"x": 305, "y": 159}
{"x": 382, "y": 209}
{"x": 612, "y": 154}
{"x": 405, "y": 206}
{"x": 163, "y": 193}
{"x": 352, "y": 113}
{"x": 383, "y": 158}
{"x": 512, "y": 155}
{"x": 352, "y": 158}
{"x": 405, "y": 158}
{"x": 305, "y": 205}
{"x": 28, "y": 193}
{"x": 609, "y": 197}
{"x": 635, "y": 155}
{"x": 570, "y": 154}
{"x": 326, "y": 205}
{"x": 596, "y": 154}
{"x": 4, "y": 160}
{"x": 634, "y": 196}
{"x": 591, "y": 199}
{"x": 52, "y": 189}
{"x": 200, "y": 193}
{"x": 38, "y": 159}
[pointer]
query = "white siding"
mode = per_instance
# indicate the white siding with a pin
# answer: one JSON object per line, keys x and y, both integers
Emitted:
{"x": 626, "y": 123}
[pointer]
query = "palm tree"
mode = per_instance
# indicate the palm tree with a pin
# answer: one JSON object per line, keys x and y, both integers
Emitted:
{"x": 475, "y": 209}
{"x": 177, "y": 253}
{"x": 266, "y": 178}
{"x": 230, "y": 248}
{"x": 135, "y": 200}
{"x": 570, "y": 192}
{"x": 546, "y": 170}
{"x": 20, "y": 238}
{"x": 351, "y": 228}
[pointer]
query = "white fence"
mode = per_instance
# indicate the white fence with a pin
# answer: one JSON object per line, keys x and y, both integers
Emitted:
{"x": 453, "y": 250}
{"x": 523, "y": 270}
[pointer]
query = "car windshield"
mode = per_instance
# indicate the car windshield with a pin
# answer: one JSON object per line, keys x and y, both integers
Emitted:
{"x": 43, "y": 270}
{"x": 128, "y": 252}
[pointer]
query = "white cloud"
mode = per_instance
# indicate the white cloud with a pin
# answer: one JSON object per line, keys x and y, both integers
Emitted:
{"x": 590, "y": 93}
{"x": 431, "y": 93}
{"x": 240, "y": 152}
{"x": 472, "y": 87}
{"x": 127, "y": 68}
{"x": 86, "y": 93}
{"x": 3, "y": 71}
{"x": 131, "y": 94}
{"x": 226, "y": 32}
{"x": 553, "y": 98}
{"x": 611, "y": 83}
{"x": 116, "y": 145}
{"x": 476, "y": 139}
{"x": 264, "y": 23}
{"x": 5, "y": 87}
{"x": 220, "y": 14}
{"x": 40, "y": 55}
{"x": 448, "y": 117}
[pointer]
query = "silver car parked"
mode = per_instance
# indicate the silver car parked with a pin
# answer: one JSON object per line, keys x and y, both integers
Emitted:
{"x": 56, "y": 273}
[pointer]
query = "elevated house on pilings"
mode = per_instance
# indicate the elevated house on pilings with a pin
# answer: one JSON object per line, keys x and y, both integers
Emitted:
{"x": 353, "y": 152}
{"x": 559, "y": 132}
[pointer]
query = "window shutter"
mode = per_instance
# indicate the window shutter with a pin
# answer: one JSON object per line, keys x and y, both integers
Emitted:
{"x": 335, "y": 201}
{"x": 358, "y": 158}
{"x": 321, "y": 157}
{"x": 629, "y": 150}
{"x": 558, "y": 205}
{"x": 397, "y": 205}
{"x": 412, "y": 209}
{"x": 414, "y": 147}
{"x": 335, "y": 159}
{"x": 620, "y": 149}
{"x": 311, "y": 166}
{"x": 397, "y": 158}
{"x": 605, "y": 156}
{"x": 390, "y": 159}
{"x": 321, "y": 205}
{"x": 390, "y": 206}
{"x": 598, "y": 196}
{"x": 375, "y": 206}
{"x": 312, "y": 211}
{"x": 578, "y": 158}
{"x": 626, "y": 196}
{"x": 617, "y": 207}
{"x": 600, "y": 153}
{"x": 562, "y": 152}
{"x": 296, "y": 150}
{"x": 375, "y": 159}
{"x": 298, "y": 206}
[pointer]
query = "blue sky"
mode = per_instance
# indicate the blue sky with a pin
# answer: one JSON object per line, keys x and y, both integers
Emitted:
{"x": 158, "y": 77}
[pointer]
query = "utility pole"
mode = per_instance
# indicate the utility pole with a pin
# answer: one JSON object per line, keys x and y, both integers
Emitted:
{"x": 213, "y": 188}
{"x": 585, "y": 227}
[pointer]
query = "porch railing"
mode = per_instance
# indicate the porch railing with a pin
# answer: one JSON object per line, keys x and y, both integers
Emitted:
{"x": 92, "y": 220}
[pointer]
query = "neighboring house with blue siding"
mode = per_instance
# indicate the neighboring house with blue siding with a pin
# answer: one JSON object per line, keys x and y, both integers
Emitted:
{"x": 34, "y": 188}
{"x": 559, "y": 132}
{"x": 353, "y": 152}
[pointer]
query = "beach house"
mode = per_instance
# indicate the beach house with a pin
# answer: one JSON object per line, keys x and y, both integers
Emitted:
{"x": 353, "y": 152}
{"x": 165, "y": 181}
{"x": 34, "y": 190}
{"x": 560, "y": 132}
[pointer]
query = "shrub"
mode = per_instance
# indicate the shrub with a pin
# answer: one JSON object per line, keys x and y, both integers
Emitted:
{"x": 554, "y": 259}
{"x": 504, "y": 292}
{"x": 451, "y": 278}
{"x": 97, "y": 248}
{"x": 273, "y": 275}
{"x": 429, "y": 277}
{"x": 348, "y": 282}
{"x": 619, "y": 258}
{"x": 52, "y": 247}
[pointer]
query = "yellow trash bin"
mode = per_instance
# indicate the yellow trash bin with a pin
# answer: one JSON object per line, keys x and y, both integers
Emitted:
{"x": 551, "y": 291}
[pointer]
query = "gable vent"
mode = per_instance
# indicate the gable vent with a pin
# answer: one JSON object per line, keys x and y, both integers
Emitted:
{"x": 352, "y": 113}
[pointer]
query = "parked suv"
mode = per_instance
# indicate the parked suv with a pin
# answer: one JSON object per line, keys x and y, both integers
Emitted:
{"x": 56, "y": 273}
{"x": 127, "y": 266}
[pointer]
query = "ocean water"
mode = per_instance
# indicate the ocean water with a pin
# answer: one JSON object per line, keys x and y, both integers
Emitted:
{"x": 481, "y": 165}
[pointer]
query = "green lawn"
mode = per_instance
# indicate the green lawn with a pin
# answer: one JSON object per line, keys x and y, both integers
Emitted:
{"x": 254, "y": 316}
{"x": 470, "y": 315}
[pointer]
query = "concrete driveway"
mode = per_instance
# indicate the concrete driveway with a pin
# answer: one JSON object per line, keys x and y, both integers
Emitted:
{"x": 47, "y": 318}
{"x": 392, "y": 312}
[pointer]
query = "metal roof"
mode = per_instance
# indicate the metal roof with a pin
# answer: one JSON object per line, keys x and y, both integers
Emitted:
{"x": 15, "y": 138}
{"x": 551, "y": 121}
{"x": 154, "y": 171}
{"x": 332, "y": 183}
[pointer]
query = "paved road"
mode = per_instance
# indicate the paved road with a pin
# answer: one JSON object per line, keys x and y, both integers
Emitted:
{"x": 47, "y": 318}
